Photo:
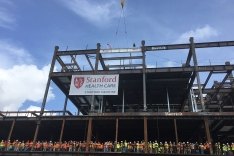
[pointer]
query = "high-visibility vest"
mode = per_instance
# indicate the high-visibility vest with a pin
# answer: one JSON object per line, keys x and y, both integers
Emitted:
{"x": 224, "y": 148}
{"x": 2, "y": 144}
{"x": 232, "y": 146}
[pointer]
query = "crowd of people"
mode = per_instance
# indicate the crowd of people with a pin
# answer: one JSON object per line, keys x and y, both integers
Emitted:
{"x": 122, "y": 146}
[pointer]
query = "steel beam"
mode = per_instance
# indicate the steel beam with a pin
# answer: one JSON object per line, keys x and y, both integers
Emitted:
{"x": 48, "y": 81}
{"x": 95, "y": 72}
{"x": 145, "y": 135}
{"x": 192, "y": 47}
{"x": 122, "y": 58}
{"x": 75, "y": 62}
{"x": 102, "y": 62}
{"x": 144, "y": 75}
{"x": 187, "y": 46}
{"x": 116, "y": 129}
{"x": 87, "y": 57}
{"x": 207, "y": 80}
{"x": 188, "y": 58}
{"x": 65, "y": 105}
{"x": 176, "y": 133}
{"x": 76, "y": 52}
{"x": 125, "y": 65}
{"x": 150, "y": 70}
{"x": 156, "y": 47}
{"x": 210, "y": 90}
{"x": 62, "y": 64}
{"x": 62, "y": 130}
{"x": 220, "y": 85}
{"x": 38, "y": 122}
{"x": 11, "y": 130}
{"x": 89, "y": 133}
{"x": 188, "y": 91}
{"x": 209, "y": 140}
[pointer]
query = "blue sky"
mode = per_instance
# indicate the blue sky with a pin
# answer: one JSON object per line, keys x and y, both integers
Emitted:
{"x": 29, "y": 30}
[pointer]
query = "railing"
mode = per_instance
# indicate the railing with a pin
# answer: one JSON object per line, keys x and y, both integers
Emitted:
{"x": 33, "y": 113}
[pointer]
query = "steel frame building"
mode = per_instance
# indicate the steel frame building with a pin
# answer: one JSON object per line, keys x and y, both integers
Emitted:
{"x": 168, "y": 103}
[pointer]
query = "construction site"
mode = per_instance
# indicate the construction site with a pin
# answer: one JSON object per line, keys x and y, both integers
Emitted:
{"x": 163, "y": 104}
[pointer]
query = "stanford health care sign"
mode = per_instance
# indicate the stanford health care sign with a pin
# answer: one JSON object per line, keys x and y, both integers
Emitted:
{"x": 94, "y": 85}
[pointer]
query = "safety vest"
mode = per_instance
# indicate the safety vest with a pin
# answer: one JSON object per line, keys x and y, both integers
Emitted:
{"x": 224, "y": 148}
{"x": 232, "y": 146}
{"x": 118, "y": 146}
{"x": 2, "y": 144}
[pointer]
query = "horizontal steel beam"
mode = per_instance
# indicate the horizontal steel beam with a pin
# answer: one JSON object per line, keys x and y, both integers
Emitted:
{"x": 134, "y": 115}
{"x": 150, "y": 70}
{"x": 122, "y": 58}
{"x": 149, "y": 48}
{"x": 76, "y": 52}
{"x": 187, "y": 46}
{"x": 125, "y": 65}
{"x": 210, "y": 90}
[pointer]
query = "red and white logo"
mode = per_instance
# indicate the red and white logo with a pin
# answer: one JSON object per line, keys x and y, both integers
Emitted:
{"x": 78, "y": 82}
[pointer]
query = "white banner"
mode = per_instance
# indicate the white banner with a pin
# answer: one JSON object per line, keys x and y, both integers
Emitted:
{"x": 94, "y": 85}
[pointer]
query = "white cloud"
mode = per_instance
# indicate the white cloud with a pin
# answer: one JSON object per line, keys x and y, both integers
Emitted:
{"x": 22, "y": 83}
{"x": 170, "y": 64}
{"x": 34, "y": 108}
{"x": 11, "y": 55}
{"x": 95, "y": 12}
{"x": 200, "y": 34}
{"x": 7, "y": 20}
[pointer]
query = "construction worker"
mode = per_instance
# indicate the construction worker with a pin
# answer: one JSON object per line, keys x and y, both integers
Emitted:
{"x": 22, "y": 146}
{"x": 186, "y": 148}
{"x": 2, "y": 146}
{"x": 166, "y": 147}
{"x": 170, "y": 147}
{"x": 192, "y": 147}
{"x": 228, "y": 148}
{"x": 174, "y": 148}
{"x": 178, "y": 148}
{"x": 219, "y": 149}
{"x": 150, "y": 147}
{"x": 125, "y": 146}
{"x": 134, "y": 145}
{"x": 161, "y": 147}
{"x": 224, "y": 148}
{"x": 118, "y": 147}
{"x": 232, "y": 147}
{"x": 201, "y": 148}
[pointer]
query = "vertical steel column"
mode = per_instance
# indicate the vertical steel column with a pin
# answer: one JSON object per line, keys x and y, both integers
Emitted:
{"x": 89, "y": 134}
{"x": 192, "y": 47}
{"x": 65, "y": 106}
{"x": 116, "y": 129}
{"x": 101, "y": 104}
{"x": 48, "y": 81}
{"x": 208, "y": 137}
{"x": 176, "y": 134}
{"x": 95, "y": 72}
{"x": 168, "y": 102}
{"x": 36, "y": 131}
{"x": 61, "y": 132}
{"x": 123, "y": 102}
{"x": 11, "y": 130}
{"x": 144, "y": 76}
{"x": 146, "y": 134}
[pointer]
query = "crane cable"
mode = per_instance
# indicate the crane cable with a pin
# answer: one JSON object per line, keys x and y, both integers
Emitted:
{"x": 122, "y": 16}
